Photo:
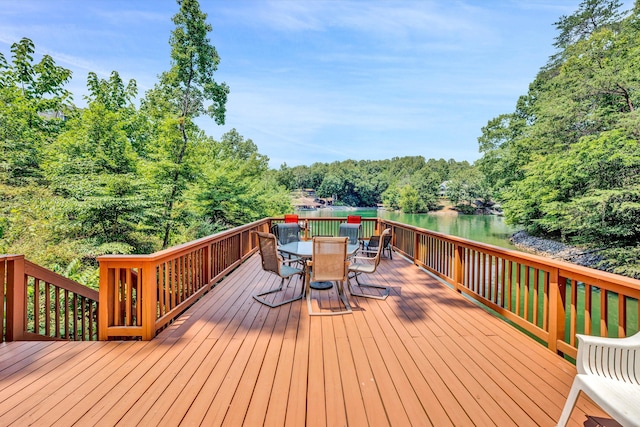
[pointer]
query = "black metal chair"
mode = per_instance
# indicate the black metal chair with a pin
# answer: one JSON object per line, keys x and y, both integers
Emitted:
{"x": 371, "y": 246}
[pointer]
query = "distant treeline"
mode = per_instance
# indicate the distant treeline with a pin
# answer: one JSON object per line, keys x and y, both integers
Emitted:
{"x": 411, "y": 184}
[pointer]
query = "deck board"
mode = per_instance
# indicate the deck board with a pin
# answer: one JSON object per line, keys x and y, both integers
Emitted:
{"x": 425, "y": 356}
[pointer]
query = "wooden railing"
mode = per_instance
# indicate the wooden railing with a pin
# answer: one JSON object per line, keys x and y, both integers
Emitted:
{"x": 141, "y": 294}
{"x": 552, "y": 300}
{"x": 43, "y": 305}
{"x": 331, "y": 226}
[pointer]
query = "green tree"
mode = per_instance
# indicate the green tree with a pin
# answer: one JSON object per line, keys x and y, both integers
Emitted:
{"x": 94, "y": 167}
{"x": 466, "y": 187}
{"x": 591, "y": 16}
{"x": 391, "y": 198}
{"x": 410, "y": 201}
{"x": 33, "y": 103}
{"x": 331, "y": 186}
{"x": 183, "y": 93}
{"x": 427, "y": 183}
{"x": 236, "y": 187}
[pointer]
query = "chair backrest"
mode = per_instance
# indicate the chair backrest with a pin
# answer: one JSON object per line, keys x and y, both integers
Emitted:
{"x": 269, "y": 252}
{"x": 387, "y": 238}
{"x": 352, "y": 231}
{"x": 290, "y": 218}
{"x": 386, "y": 233}
{"x": 611, "y": 358}
{"x": 354, "y": 219}
{"x": 329, "y": 259}
{"x": 288, "y": 233}
{"x": 275, "y": 231}
{"x": 374, "y": 242}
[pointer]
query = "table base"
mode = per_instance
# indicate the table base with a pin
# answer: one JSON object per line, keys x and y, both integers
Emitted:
{"x": 321, "y": 286}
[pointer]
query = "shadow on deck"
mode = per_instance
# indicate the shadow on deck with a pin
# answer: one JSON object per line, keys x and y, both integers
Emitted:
{"x": 425, "y": 356}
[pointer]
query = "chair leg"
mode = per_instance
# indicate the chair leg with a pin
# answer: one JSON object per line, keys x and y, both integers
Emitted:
{"x": 342, "y": 296}
{"x": 570, "y": 403}
{"x": 383, "y": 296}
{"x": 278, "y": 304}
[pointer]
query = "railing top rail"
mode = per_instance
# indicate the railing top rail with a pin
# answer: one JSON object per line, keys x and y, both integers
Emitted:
{"x": 183, "y": 248}
{"x": 10, "y": 257}
{"x": 597, "y": 276}
{"x": 326, "y": 218}
{"x": 56, "y": 279}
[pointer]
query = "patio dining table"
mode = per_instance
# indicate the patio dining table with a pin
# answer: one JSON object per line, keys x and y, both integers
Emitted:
{"x": 304, "y": 250}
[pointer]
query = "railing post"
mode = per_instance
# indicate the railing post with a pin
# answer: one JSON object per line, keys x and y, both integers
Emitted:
{"x": 16, "y": 299}
{"x": 149, "y": 300}
{"x": 557, "y": 310}
{"x": 106, "y": 299}
{"x": 458, "y": 266}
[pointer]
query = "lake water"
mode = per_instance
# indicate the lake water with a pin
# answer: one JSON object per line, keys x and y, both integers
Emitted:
{"x": 489, "y": 229}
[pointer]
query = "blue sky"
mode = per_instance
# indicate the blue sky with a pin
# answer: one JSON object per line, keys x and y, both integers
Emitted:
{"x": 320, "y": 81}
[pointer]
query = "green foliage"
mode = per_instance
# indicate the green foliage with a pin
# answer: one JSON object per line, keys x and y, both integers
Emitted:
{"x": 623, "y": 260}
{"x": 589, "y": 18}
{"x": 236, "y": 188}
{"x": 32, "y": 103}
{"x": 181, "y": 95}
{"x": 465, "y": 187}
{"x": 410, "y": 201}
{"x": 369, "y": 183}
{"x": 114, "y": 179}
{"x": 566, "y": 163}
{"x": 391, "y": 198}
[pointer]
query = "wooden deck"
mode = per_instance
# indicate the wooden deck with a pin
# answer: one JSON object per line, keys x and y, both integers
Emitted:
{"x": 425, "y": 356}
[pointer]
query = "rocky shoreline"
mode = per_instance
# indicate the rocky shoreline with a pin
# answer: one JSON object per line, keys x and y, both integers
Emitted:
{"x": 556, "y": 250}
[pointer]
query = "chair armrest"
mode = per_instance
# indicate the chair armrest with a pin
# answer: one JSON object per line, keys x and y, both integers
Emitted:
{"x": 369, "y": 251}
{"x": 363, "y": 258}
{"x": 616, "y": 358}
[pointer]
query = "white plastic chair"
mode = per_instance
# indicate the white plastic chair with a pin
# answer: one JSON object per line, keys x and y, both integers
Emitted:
{"x": 609, "y": 373}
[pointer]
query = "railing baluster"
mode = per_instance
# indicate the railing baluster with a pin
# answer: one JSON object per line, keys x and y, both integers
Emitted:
{"x": 56, "y": 294}
{"x": 604, "y": 313}
{"x": 545, "y": 301}
{"x": 588, "y": 320}
{"x": 622, "y": 316}
{"x": 573, "y": 315}
{"x": 75, "y": 316}
{"x": 527, "y": 290}
{"x": 534, "y": 296}
{"x": 36, "y": 305}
